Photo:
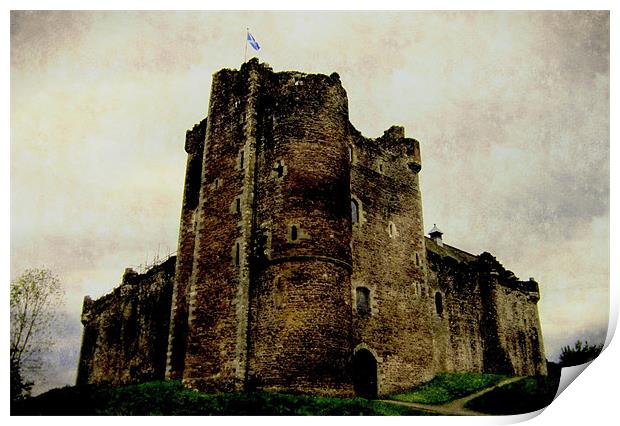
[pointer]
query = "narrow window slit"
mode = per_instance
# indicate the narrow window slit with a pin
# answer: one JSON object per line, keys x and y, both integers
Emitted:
{"x": 362, "y": 300}
{"x": 438, "y": 304}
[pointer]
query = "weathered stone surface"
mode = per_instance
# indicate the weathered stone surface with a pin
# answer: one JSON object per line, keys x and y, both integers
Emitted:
{"x": 490, "y": 318}
{"x": 302, "y": 263}
{"x": 387, "y": 240}
{"x": 126, "y": 331}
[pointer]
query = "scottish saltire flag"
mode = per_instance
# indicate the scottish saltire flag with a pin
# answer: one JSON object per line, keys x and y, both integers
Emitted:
{"x": 253, "y": 42}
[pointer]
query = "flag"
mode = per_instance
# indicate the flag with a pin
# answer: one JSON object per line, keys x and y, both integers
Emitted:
{"x": 253, "y": 42}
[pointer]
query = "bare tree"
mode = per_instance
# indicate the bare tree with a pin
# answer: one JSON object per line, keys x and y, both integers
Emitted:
{"x": 35, "y": 298}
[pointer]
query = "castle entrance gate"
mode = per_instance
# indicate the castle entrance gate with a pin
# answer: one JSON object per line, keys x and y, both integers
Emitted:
{"x": 365, "y": 374}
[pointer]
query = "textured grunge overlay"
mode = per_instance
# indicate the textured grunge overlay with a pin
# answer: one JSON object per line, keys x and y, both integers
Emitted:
{"x": 511, "y": 110}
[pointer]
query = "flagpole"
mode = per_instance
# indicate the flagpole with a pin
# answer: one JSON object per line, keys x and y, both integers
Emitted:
{"x": 245, "y": 53}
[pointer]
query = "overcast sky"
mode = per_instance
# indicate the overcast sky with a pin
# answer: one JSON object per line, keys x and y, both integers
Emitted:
{"x": 511, "y": 110}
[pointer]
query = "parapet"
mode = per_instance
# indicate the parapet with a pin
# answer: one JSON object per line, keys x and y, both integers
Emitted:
{"x": 485, "y": 263}
{"x": 395, "y": 133}
{"x": 392, "y": 147}
{"x": 488, "y": 263}
{"x": 91, "y": 308}
{"x": 195, "y": 138}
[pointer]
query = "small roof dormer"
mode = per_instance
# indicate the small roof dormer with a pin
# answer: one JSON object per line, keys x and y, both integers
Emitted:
{"x": 435, "y": 235}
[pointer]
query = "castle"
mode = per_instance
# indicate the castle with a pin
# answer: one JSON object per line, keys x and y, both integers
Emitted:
{"x": 302, "y": 264}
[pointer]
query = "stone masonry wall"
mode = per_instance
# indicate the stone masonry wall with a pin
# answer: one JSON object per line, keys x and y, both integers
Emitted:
{"x": 456, "y": 309}
{"x": 126, "y": 331}
{"x": 212, "y": 354}
{"x": 194, "y": 146}
{"x": 519, "y": 326}
{"x": 489, "y": 320}
{"x": 389, "y": 259}
{"x": 300, "y": 305}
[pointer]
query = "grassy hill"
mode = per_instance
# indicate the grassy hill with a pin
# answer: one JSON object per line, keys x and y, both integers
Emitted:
{"x": 171, "y": 398}
{"x": 446, "y": 387}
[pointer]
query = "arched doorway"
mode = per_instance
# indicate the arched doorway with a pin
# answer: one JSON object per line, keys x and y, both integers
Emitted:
{"x": 365, "y": 374}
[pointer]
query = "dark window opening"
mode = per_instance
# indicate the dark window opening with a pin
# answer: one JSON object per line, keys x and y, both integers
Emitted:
{"x": 279, "y": 169}
{"x": 279, "y": 292}
{"x": 438, "y": 304}
{"x": 237, "y": 254}
{"x": 380, "y": 167}
{"x": 263, "y": 246}
{"x": 293, "y": 233}
{"x": 242, "y": 159}
{"x": 238, "y": 205}
{"x": 417, "y": 259}
{"x": 354, "y": 212}
{"x": 362, "y": 300}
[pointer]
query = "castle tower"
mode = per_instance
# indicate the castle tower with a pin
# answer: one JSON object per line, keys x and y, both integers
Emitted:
{"x": 261, "y": 296}
{"x": 300, "y": 300}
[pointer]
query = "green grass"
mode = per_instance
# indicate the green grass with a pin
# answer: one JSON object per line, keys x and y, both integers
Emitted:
{"x": 524, "y": 396}
{"x": 171, "y": 398}
{"x": 446, "y": 387}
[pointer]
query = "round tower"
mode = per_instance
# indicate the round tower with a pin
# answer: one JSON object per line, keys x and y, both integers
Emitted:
{"x": 300, "y": 312}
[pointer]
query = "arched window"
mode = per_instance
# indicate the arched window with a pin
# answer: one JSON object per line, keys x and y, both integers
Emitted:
{"x": 294, "y": 233}
{"x": 362, "y": 300}
{"x": 392, "y": 230}
{"x": 354, "y": 212}
{"x": 438, "y": 304}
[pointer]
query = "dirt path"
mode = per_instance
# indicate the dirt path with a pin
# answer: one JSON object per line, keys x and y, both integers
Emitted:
{"x": 456, "y": 407}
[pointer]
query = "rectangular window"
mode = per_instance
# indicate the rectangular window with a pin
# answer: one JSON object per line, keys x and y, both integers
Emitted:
{"x": 362, "y": 300}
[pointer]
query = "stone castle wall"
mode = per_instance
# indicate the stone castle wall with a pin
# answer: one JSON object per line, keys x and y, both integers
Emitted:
{"x": 126, "y": 331}
{"x": 484, "y": 318}
{"x": 389, "y": 260}
{"x": 456, "y": 309}
{"x": 302, "y": 263}
{"x": 194, "y": 146}
{"x": 216, "y": 293}
{"x": 300, "y": 319}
